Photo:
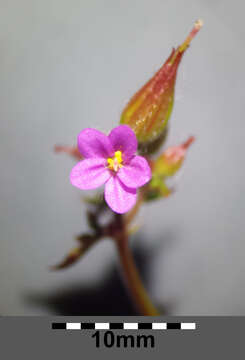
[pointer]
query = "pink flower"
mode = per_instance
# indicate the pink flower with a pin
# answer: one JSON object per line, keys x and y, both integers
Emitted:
{"x": 111, "y": 160}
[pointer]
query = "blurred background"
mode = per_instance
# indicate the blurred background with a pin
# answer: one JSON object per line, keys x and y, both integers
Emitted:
{"x": 66, "y": 65}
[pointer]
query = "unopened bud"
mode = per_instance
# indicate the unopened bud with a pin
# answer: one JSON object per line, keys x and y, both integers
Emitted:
{"x": 168, "y": 163}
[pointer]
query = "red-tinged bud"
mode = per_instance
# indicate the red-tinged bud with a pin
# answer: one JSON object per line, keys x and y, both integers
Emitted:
{"x": 148, "y": 111}
{"x": 70, "y": 150}
{"x": 168, "y": 163}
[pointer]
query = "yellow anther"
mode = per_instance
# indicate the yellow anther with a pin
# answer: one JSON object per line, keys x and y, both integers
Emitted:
{"x": 115, "y": 163}
{"x": 118, "y": 156}
{"x": 110, "y": 163}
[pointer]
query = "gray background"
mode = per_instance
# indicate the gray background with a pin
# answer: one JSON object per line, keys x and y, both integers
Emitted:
{"x": 66, "y": 65}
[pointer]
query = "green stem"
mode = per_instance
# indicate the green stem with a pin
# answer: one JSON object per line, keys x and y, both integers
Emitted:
{"x": 131, "y": 275}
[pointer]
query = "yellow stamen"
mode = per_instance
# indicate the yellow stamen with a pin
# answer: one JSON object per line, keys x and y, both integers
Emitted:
{"x": 110, "y": 162}
{"x": 118, "y": 156}
{"x": 115, "y": 163}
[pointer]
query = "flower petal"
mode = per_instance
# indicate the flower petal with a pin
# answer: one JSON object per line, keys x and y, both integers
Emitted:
{"x": 93, "y": 143}
{"x": 118, "y": 197}
{"x": 89, "y": 173}
{"x": 124, "y": 139}
{"x": 135, "y": 174}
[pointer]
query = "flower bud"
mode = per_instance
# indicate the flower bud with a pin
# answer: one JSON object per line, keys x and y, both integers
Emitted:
{"x": 148, "y": 111}
{"x": 168, "y": 163}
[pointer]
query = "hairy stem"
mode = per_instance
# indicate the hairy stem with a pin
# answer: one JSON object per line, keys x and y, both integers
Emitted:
{"x": 130, "y": 272}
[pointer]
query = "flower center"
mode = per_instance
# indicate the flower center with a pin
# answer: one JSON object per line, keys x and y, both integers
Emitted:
{"x": 115, "y": 163}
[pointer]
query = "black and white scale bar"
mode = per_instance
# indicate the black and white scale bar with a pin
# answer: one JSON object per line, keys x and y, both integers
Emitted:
{"x": 124, "y": 326}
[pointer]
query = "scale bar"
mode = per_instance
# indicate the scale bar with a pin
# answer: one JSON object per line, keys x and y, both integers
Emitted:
{"x": 124, "y": 326}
